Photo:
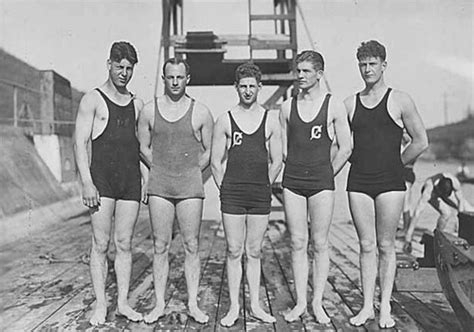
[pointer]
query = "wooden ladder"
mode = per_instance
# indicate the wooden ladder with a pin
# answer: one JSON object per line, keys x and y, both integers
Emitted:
{"x": 284, "y": 38}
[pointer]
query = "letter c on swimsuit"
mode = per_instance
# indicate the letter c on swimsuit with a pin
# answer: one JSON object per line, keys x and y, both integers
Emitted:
{"x": 315, "y": 132}
{"x": 237, "y": 139}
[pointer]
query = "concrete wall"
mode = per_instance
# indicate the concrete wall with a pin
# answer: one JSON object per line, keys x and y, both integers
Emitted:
{"x": 44, "y": 96}
{"x": 26, "y": 181}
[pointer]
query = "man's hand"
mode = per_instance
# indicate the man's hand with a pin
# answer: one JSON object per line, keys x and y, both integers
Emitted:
{"x": 145, "y": 193}
{"x": 90, "y": 196}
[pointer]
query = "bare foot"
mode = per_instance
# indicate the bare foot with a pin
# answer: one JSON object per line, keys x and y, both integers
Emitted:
{"x": 198, "y": 315}
{"x": 155, "y": 314}
{"x": 231, "y": 317}
{"x": 385, "y": 319}
{"x": 98, "y": 315}
{"x": 126, "y": 311}
{"x": 294, "y": 313}
{"x": 362, "y": 317}
{"x": 259, "y": 314}
{"x": 386, "y": 322}
{"x": 320, "y": 314}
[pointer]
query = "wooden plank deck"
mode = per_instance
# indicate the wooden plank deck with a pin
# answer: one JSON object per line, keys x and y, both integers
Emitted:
{"x": 38, "y": 295}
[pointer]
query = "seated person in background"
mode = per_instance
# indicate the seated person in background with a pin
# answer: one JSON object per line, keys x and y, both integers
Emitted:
{"x": 443, "y": 192}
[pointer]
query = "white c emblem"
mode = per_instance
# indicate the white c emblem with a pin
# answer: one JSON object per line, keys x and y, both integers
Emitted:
{"x": 237, "y": 139}
{"x": 316, "y": 132}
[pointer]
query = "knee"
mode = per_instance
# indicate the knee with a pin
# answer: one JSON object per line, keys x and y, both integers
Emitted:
{"x": 234, "y": 252}
{"x": 367, "y": 246}
{"x": 191, "y": 246}
{"x": 320, "y": 246}
{"x": 299, "y": 243}
{"x": 253, "y": 252}
{"x": 161, "y": 247}
{"x": 386, "y": 247}
{"x": 123, "y": 244}
{"x": 100, "y": 244}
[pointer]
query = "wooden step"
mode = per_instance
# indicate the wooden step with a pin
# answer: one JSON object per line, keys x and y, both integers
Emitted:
{"x": 272, "y": 17}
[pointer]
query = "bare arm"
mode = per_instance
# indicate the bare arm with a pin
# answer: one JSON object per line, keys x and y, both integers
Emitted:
{"x": 342, "y": 136}
{"x": 284, "y": 118}
{"x": 82, "y": 137}
{"x": 275, "y": 147}
{"x": 206, "y": 136}
{"x": 218, "y": 149}
{"x": 144, "y": 128}
{"x": 463, "y": 205}
{"x": 415, "y": 129}
{"x": 426, "y": 191}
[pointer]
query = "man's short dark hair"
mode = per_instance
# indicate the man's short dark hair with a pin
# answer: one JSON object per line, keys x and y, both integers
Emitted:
{"x": 123, "y": 50}
{"x": 248, "y": 69}
{"x": 177, "y": 61}
{"x": 315, "y": 58}
{"x": 371, "y": 49}
{"x": 445, "y": 187}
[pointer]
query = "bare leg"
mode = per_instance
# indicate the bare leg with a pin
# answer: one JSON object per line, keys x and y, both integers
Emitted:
{"x": 321, "y": 207}
{"x": 234, "y": 228}
{"x": 256, "y": 227}
{"x": 407, "y": 206}
{"x": 101, "y": 225}
{"x": 162, "y": 213}
{"x": 362, "y": 211}
{"x": 126, "y": 213}
{"x": 297, "y": 221}
{"x": 189, "y": 213}
{"x": 420, "y": 206}
{"x": 388, "y": 208}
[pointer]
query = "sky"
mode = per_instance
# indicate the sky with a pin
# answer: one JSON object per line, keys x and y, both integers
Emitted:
{"x": 429, "y": 43}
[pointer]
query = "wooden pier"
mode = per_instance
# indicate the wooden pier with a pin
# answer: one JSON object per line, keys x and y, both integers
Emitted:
{"x": 47, "y": 286}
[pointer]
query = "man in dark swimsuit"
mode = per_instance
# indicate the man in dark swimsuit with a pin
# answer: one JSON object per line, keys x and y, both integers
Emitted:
{"x": 251, "y": 138}
{"x": 443, "y": 192}
{"x": 111, "y": 187}
{"x": 375, "y": 185}
{"x": 175, "y": 135}
{"x": 310, "y": 123}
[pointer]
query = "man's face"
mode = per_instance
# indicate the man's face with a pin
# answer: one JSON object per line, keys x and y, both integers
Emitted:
{"x": 120, "y": 72}
{"x": 175, "y": 79}
{"x": 371, "y": 69}
{"x": 308, "y": 76}
{"x": 247, "y": 89}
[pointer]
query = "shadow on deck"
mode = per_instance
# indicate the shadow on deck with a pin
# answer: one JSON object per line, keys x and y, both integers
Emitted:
{"x": 39, "y": 295}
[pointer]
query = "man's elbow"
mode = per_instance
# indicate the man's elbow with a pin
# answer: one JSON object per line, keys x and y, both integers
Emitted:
{"x": 346, "y": 151}
{"x": 425, "y": 144}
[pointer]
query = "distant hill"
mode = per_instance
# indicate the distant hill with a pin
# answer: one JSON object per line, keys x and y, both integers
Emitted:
{"x": 455, "y": 140}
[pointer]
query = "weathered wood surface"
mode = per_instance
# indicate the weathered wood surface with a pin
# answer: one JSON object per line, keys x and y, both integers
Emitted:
{"x": 38, "y": 295}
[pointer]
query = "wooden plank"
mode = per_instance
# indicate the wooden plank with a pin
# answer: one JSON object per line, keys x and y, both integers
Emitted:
{"x": 74, "y": 313}
{"x": 290, "y": 77}
{"x": 180, "y": 299}
{"x": 438, "y": 304}
{"x": 279, "y": 294}
{"x": 274, "y": 17}
{"x": 211, "y": 281}
{"x": 38, "y": 283}
{"x": 251, "y": 323}
{"x": 403, "y": 317}
{"x": 283, "y": 255}
{"x": 270, "y": 45}
{"x": 223, "y": 305}
{"x": 234, "y": 39}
